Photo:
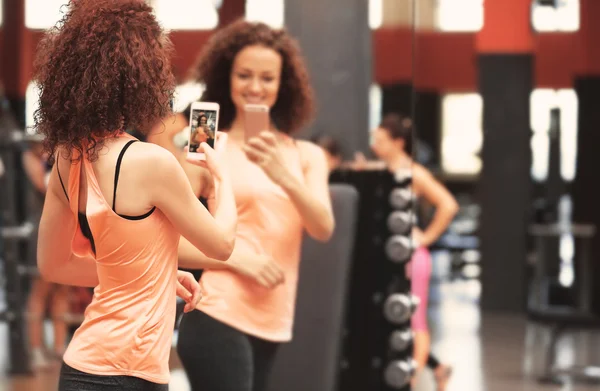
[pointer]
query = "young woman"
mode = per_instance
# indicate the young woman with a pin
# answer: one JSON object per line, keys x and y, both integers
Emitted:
{"x": 116, "y": 208}
{"x": 392, "y": 143}
{"x": 281, "y": 189}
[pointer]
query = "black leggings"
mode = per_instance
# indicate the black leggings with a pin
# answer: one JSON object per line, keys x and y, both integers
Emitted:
{"x": 217, "y": 357}
{"x": 73, "y": 380}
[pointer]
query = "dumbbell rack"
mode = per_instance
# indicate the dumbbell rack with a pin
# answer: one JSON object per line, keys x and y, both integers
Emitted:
{"x": 377, "y": 345}
{"x": 12, "y": 235}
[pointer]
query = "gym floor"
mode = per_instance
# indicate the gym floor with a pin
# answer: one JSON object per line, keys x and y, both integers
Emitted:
{"x": 489, "y": 352}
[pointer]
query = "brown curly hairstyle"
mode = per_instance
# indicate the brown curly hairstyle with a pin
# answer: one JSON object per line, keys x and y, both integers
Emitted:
{"x": 104, "y": 68}
{"x": 294, "y": 107}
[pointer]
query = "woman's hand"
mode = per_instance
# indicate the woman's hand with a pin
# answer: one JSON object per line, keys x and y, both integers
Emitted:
{"x": 417, "y": 237}
{"x": 264, "y": 150}
{"x": 217, "y": 169}
{"x": 188, "y": 289}
{"x": 261, "y": 269}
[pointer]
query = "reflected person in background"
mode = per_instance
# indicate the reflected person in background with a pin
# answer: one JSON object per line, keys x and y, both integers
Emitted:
{"x": 281, "y": 190}
{"x": 392, "y": 143}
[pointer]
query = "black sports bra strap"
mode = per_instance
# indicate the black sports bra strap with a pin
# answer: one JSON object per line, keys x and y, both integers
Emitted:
{"x": 60, "y": 178}
{"x": 118, "y": 169}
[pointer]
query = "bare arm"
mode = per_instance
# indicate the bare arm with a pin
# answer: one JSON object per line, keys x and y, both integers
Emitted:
{"x": 55, "y": 260}
{"x": 445, "y": 205}
{"x": 171, "y": 192}
{"x": 192, "y": 258}
{"x": 312, "y": 198}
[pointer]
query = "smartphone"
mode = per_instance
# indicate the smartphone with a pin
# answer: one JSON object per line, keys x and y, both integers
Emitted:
{"x": 256, "y": 119}
{"x": 204, "y": 120}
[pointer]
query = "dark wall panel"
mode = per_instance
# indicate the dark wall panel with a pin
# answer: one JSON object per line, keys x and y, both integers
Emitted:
{"x": 505, "y": 83}
{"x": 336, "y": 40}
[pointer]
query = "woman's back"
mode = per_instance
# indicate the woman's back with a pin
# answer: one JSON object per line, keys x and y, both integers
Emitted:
{"x": 129, "y": 324}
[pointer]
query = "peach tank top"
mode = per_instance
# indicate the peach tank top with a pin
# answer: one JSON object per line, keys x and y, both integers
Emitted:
{"x": 268, "y": 223}
{"x": 128, "y": 327}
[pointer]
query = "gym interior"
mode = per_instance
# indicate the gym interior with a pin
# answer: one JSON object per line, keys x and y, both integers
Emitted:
{"x": 501, "y": 96}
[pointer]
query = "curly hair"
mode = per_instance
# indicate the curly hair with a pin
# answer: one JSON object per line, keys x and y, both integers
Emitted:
{"x": 294, "y": 107}
{"x": 104, "y": 68}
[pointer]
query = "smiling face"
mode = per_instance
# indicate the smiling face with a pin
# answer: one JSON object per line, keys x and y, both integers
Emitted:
{"x": 255, "y": 77}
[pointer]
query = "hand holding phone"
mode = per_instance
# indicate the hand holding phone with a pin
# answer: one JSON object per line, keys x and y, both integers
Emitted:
{"x": 204, "y": 120}
{"x": 256, "y": 120}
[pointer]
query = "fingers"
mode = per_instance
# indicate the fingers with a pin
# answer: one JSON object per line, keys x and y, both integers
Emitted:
{"x": 220, "y": 142}
{"x": 271, "y": 276}
{"x": 254, "y": 155}
{"x": 268, "y": 137}
{"x": 212, "y": 162}
{"x": 183, "y": 292}
{"x": 259, "y": 144}
{"x": 196, "y": 161}
{"x": 276, "y": 273}
{"x": 189, "y": 290}
{"x": 196, "y": 295}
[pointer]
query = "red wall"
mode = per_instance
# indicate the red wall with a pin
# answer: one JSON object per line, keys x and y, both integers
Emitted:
{"x": 448, "y": 61}
{"x": 443, "y": 62}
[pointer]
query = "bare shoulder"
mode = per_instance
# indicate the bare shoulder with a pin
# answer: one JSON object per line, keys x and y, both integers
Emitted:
{"x": 310, "y": 148}
{"x": 421, "y": 173}
{"x": 311, "y": 154}
{"x": 152, "y": 160}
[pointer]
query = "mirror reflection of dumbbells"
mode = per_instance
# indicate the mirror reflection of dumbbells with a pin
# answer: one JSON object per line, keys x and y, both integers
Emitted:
{"x": 403, "y": 177}
{"x": 398, "y": 373}
{"x": 399, "y": 248}
{"x": 401, "y": 198}
{"x": 400, "y": 222}
{"x": 399, "y": 307}
{"x": 400, "y": 340}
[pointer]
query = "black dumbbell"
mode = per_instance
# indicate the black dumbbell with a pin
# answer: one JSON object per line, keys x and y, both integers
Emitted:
{"x": 400, "y": 222}
{"x": 403, "y": 176}
{"x": 400, "y": 340}
{"x": 399, "y": 248}
{"x": 401, "y": 198}
{"x": 398, "y": 373}
{"x": 399, "y": 307}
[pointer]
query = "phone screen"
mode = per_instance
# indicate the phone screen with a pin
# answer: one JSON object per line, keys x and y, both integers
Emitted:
{"x": 203, "y": 125}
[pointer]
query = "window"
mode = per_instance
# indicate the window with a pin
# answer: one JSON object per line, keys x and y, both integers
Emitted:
{"x": 542, "y": 101}
{"x": 375, "y": 101}
{"x": 172, "y": 14}
{"x": 375, "y": 14}
{"x": 1, "y": 10}
{"x": 270, "y": 12}
{"x": 186, "y": 14}
{"x": 563, "y": 17}
{"x": 459, "y": 15}
{"x": 43, "y": 14}
{"x": 462, "y": 134}
{"x": 186, "y": 94}
{"x": 31, "y": 104}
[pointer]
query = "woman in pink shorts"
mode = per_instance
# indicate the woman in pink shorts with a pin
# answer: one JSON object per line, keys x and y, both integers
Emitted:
{"x": 392, "y": 142}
